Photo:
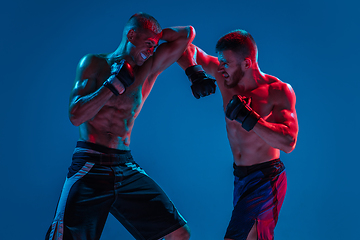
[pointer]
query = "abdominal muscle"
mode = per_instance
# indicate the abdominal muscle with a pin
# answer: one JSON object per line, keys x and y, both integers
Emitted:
{"x": 112, "y": 125}
{"x": 247, "y": 147}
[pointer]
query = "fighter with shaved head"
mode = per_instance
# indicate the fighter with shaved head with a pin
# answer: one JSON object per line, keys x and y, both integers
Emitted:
{"x": 108, "y": 94}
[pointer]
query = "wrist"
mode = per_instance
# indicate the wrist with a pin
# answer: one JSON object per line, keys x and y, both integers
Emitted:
{"x": 250, "y": 121}
{"x": 195, "y": 73}
{"x": 114, "y": 84}
{"x": 239, "y": 109}
{"x": 192, "y": 69}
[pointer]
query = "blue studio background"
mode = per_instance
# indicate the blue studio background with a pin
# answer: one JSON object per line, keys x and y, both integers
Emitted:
{"x": 180, "y": 141}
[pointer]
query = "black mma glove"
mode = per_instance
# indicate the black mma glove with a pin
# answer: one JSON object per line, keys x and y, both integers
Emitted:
{"x": 238, "y": 109}
{"x": 122, "y": 76}
{"x": 202, "y": 84}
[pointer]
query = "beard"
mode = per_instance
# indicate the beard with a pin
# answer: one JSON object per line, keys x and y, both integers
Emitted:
{"x": 235, "y": 79}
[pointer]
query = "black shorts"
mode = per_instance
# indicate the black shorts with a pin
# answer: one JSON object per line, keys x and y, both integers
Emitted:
{"x": 102, "y": 180}
{"x": 259, "y": 192}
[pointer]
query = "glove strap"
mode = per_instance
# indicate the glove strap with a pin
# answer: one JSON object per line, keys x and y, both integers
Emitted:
{"x": 115, "y": 85}
{"x": 195, "y": 73}
{"x": 250, "y": 121}
{"x": 193, "y": 69}
{"x": 111, "y": 87}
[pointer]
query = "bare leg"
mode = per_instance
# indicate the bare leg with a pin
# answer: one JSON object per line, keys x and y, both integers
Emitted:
{"x": 182, "y": 233}
{"x": 253, "y": 233}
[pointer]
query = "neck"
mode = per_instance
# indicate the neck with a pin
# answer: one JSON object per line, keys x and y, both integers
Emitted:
{"x": 123, "y": 52}
{"x": 257, "y": 75}
{"x": 252, "y": 78}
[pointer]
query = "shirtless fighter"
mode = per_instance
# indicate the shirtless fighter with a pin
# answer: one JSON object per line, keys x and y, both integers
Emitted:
{"x": 108, "y": 94}
{"x": 260, "y": 121}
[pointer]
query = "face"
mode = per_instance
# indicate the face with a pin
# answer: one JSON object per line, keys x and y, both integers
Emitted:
{"x": 230, "y": 68}
{"x": 144, "y": 42}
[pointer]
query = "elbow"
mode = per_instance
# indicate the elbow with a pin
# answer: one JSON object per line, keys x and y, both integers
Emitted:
{"x": 75, "y": 121}
{"x": 74, "y": 118}
{"x": 191, "y": 33}
{"x": 290, "y": 145}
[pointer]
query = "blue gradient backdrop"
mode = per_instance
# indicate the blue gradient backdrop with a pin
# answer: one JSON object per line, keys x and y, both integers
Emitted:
{"x": 180, "y": 141}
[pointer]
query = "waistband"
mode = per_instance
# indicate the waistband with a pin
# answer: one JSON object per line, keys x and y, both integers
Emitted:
{"x": 275, "y": 166}
{"x": 99, "y": 148}
{"x": 102, "y": 155}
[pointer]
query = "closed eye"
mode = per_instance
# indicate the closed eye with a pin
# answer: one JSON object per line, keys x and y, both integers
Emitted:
{"x": 151, "y": 44}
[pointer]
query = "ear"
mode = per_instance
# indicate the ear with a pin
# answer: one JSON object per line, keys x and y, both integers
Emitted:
{"x": 131, "y": 35}
{"x": 247, "y": 63}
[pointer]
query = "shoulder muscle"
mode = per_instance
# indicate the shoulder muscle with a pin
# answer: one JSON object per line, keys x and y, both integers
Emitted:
{"x": 86, "y": 75}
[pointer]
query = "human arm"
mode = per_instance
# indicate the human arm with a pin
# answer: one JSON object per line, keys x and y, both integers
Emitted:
{"x": 176, "y": 40}
{"x": 279, "y": 129}
{"x": 281, "y": 133}
{"x": 193, "y": 61}
{"x": 88, "y": 95}
{"x": 194, "y": 55}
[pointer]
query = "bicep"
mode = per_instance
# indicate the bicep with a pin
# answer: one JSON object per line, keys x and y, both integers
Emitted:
{"x": 284, "y": 109}
{"x": 169, "y": 52}
{"x": 85, "y": 80}
{"x": 166, "y": 54}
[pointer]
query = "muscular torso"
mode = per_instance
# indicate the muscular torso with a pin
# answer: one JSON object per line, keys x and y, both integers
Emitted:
{"x": 247, "y": 147}
{"x": 113, "y": 124}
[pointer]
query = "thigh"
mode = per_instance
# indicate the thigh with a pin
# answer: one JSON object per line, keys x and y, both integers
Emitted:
{"x": 259, "y": 204}
{"x": 84, "y": 203}
{"x": 269, "y": 213}
{"x": 143, "y": 207}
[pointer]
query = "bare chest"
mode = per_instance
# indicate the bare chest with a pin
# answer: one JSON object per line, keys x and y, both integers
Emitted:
{"x": 129, "y": 102}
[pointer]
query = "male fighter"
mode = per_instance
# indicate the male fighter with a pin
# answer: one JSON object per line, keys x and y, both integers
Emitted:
{"x": 108, "y": 94}
{"x": 260, "y": 121}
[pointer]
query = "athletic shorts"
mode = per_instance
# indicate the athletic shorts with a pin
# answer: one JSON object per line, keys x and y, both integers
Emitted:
{"x": 259, "y": 192}
{"x": 102, "y": 180}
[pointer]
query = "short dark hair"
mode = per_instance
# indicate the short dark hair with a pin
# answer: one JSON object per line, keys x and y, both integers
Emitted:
{"x": 239, "y": 41}
{"x": 144, "y": 21}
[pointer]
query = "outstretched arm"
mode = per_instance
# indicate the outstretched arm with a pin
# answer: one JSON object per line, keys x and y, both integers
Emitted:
{"x": 202, "y": 84}
{"x": 194, "y": 55}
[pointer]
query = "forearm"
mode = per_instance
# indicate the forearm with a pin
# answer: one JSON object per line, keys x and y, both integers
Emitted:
{"x": 193, "y": 55}
{"x": 188, "y": 58}
{"x": 176, "y": 40}
{"x": 86, "y": 107}
{"x": 202, "y": 84}
{"x": 276, "y": 135}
